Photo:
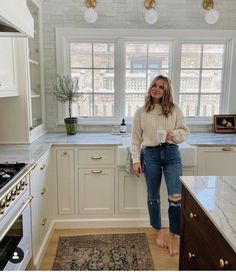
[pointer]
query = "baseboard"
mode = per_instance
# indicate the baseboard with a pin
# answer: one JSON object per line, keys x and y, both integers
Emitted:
{"x": 103, "y": 223}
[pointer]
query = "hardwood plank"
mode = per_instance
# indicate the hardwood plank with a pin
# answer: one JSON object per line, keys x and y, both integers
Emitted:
{"x": 161, "y": 258}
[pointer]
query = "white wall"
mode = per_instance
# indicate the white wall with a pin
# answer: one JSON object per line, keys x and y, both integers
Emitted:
{"x": 173, "y": 14}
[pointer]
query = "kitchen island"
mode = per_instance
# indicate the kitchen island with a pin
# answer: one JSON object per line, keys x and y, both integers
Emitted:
{"x": 208, "y": 231}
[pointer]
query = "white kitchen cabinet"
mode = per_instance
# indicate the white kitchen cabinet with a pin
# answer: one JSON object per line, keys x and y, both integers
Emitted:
{"x": 42, "y": 206}
{"x": 22, "y": 118}
{"x": 66, "y": 181}
{"x": 96, "y": 190}
{"x": 133, "y": 194}
{"x": 96, "y": 180}
{"x": 217, "y": 161}
{"x": 8, "y": 78}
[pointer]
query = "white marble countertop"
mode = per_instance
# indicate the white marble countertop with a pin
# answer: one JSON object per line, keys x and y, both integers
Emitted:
{"x": 217, "y": 197}
{"x": 31, "y": 152}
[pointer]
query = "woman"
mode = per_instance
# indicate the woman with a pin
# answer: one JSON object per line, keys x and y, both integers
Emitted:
{"x": 160, "y": 113}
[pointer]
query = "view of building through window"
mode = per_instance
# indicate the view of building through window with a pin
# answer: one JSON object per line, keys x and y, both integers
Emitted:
{"x": 200, "y": 76}
{"x": 201, "y": 79}
{"x": 93, "y": 64}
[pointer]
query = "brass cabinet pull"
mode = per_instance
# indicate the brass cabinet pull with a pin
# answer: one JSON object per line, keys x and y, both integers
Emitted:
{"x": 64, "y": 153}
{"x": 43, "y": 191}
{"x": 223, "y": 263}
{"x": 192, "y": 215}
{"x": 44, "y": 221}
{"x": 96, "y": 171}
{"x": 96, "y": 157}
{"x": 42, "y": 166}
{"x": 227, "y": 148}
{"x": 191, "y": 255}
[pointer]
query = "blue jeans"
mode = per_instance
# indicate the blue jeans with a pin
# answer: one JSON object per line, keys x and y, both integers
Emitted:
{"x": 164, "y": 158}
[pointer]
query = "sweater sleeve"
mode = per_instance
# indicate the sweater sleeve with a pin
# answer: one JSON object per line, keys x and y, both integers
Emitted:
{"x": 137, "y": 138}
{"x": 181, "y": 130}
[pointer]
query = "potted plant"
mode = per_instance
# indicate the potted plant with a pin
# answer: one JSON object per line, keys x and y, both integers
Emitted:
{"x": 66, "y": 90}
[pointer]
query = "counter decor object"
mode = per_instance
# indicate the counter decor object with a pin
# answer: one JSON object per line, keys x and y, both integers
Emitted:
{"x": 225, "y": 123}
{"x": 123, "y": 127}
{"x": 66, "y": 91}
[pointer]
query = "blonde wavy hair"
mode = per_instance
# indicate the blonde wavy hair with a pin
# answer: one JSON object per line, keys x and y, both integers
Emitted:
{"x": 166, "y": 102}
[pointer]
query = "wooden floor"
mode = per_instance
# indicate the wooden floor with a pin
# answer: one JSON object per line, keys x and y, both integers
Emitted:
{"x": 161, "y": 258}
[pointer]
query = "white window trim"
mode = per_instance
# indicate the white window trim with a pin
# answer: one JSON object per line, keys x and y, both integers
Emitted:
{"x": 66, "y": 35}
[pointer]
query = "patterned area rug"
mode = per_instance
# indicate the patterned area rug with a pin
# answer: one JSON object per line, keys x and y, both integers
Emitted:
{"x": 104, "y": 252}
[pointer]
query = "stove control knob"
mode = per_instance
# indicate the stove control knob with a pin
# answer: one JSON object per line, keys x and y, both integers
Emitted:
{"x": 22, "y": 182}
{"x": 8, "y": 199}
{"x": 13, "y": 194}
{"x": 18, "y": 189}
{"x": 2, "y": 206}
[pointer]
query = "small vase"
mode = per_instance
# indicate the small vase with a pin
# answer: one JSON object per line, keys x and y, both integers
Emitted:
{"x": 71, "y": 125}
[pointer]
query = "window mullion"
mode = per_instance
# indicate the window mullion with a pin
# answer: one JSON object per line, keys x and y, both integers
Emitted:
{"x": 200, "y": 81}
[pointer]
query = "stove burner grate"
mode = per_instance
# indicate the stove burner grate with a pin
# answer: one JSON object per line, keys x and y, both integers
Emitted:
{"x": 8, "y": 171}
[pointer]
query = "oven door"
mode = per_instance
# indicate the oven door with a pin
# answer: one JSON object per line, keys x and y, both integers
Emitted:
{"x": 15, "y": 235}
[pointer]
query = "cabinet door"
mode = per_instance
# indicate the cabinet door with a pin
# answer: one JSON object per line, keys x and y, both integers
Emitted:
{"x": 8, "y": 86}
{"x": 96, "y": 191}
{"x": 132, "y": 193}
{"x": 42, "y": 203}
{"x": 217, "y": 161}
{"x": 66, "y": 181}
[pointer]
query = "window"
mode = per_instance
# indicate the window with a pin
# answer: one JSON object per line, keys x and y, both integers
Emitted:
{"x": 144, "y": 61}
{"x": 93, "y": 64}
{"x": 201, "y": 79}
{"x": 115, "y": 68}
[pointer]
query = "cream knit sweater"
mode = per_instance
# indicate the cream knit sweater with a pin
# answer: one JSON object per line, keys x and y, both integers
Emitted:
{"x": 146, "y": 124}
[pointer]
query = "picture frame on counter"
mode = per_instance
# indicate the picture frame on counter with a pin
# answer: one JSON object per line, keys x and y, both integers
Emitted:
{"x": 224, "y": 123}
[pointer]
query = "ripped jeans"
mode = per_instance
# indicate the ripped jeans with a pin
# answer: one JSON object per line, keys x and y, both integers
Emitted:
{"x": 164, "y": 158}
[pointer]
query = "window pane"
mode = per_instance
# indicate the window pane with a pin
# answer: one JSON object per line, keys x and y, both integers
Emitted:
{"x": 153, "y": 73}
{"x": 81, "y": 55}
{"x": 136, "y": 55}
{"x": 83, "y": 107}
{"x": 85, "y": 79}
{"x": 189, "y": 104}
{"x": 209, "y": 105}
{"x": 158, "y": 55}
{"x": 132, "y": 103}
{"x": 104, "y": 105}
{"x": 190, "y": 56}
{"x": 213, "y": 55}
{"x": 135, "y": 82}
{"x": 103, "y": 81}
{"x": 211, "y": 81}
{"x": 103, "y": 55}
{"x": 189, "y": 81}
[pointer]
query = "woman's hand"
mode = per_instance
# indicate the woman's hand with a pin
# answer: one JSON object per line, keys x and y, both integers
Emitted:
{"x": 170, "y": 135}
{"x": 137, "y": 168}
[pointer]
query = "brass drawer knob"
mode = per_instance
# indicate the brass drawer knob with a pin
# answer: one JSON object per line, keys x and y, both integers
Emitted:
{"x": 43, "y": 191}
{"x": 64, "y": 153}
{"x": 191, "y": 255}
{"x": 42, "y": 166}
{"x": 227, "y": 148}
{"x": 223, "y": 263}
{"x": 96, "y": 157}
{"x": 192, "y": 215}
{"x": 44, "y": 221}
{"x": 96, "y": 171}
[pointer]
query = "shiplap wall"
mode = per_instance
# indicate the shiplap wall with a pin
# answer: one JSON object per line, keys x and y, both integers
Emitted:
{"x": 173, "y": 14}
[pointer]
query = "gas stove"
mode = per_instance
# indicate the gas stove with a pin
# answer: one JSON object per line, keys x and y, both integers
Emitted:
{"x": 8, "y": 171}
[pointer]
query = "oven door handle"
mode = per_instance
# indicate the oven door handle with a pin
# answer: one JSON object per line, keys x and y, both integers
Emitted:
{"x": 25, "y": 204}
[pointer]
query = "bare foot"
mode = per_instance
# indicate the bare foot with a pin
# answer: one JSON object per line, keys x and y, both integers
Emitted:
{"x": 160, "y": 240}
{"x": 173, "y": 244}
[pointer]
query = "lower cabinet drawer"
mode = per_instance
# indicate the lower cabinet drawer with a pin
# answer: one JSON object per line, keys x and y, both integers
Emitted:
{"x": 96, "y": 156}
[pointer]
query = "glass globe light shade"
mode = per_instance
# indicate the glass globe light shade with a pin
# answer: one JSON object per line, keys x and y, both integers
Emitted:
{"x": 90, "y": 15}
{"x": 151, "y": 16}
{"x": 212, "y": 16}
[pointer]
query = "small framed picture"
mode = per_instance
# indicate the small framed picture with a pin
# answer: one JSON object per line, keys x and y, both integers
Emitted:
{"x": 225, "y": 123}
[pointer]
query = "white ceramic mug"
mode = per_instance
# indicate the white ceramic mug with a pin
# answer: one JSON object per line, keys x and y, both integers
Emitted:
{"x": 161, "y": 136}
